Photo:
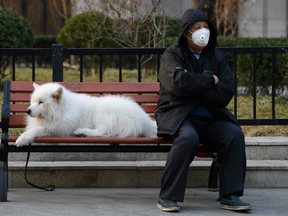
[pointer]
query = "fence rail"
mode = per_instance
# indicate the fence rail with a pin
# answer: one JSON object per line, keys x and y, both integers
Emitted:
{"x": 57, "y": 55}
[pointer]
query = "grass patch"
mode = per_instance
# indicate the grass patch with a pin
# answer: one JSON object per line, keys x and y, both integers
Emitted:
{"x": 73, "y": 75}
{"x": 263, "y": 110}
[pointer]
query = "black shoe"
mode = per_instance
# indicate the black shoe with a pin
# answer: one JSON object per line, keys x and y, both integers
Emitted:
{"x": 168, "y": 205}
{"x": 234, "y": 203}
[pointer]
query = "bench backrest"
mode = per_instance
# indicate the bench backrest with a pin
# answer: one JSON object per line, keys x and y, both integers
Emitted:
{"x": 144, "y": 93}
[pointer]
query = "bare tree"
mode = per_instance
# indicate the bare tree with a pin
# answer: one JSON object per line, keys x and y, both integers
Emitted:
{"x": 224, "y": 13}
{"x": 134, "y": 24}
{"x": 137, "y": 23}
{"x": 227, "y": 14}
{"x": 61, "y": 8}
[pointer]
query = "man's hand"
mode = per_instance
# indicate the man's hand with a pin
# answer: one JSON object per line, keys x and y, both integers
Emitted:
{"x": 216, "y": 79}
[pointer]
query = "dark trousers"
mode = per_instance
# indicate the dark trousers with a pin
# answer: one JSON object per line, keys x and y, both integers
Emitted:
{"x": 221, "y": 136}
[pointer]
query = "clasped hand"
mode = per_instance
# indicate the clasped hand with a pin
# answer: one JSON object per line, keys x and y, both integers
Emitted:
{"x": 216, "y": 79}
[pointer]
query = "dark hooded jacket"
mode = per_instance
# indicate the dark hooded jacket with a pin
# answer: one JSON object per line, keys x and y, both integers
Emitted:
{"x": 186, "y": 82}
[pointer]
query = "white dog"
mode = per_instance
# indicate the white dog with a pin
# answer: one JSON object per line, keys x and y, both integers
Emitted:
{"x": 56, "y": 111}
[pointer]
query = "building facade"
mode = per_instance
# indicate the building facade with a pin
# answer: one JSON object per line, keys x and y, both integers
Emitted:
{"x": 264, "y": 18}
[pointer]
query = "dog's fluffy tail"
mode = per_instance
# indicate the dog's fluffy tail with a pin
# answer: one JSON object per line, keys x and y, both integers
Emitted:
{"x": 150, "y": 129}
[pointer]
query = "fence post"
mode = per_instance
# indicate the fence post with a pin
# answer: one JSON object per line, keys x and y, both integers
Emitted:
{"x": 57, "y": 62}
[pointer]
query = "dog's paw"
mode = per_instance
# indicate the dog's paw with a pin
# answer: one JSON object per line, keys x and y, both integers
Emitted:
{"x": 23, "y": 140}
{"x": 88, "y": 132}
{"x": 81, "y": 132}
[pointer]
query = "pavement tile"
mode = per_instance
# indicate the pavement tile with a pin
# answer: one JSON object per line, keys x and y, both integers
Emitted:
{"x": 133, "y": 201}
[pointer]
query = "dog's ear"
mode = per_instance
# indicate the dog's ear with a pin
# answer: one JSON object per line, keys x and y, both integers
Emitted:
{"x": 35, "y": 85}
{"x": 57, "y": 95}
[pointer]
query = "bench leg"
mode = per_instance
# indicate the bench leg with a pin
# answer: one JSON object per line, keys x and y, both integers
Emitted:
{"x": 213, "y": 176}
{"x": 3, "y": 175}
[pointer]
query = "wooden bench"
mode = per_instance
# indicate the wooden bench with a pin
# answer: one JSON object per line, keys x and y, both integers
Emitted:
{"x": 16, "y": 100}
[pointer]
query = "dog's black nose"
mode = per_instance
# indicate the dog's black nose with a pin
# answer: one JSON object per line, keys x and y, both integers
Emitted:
{"x": 28, "y": 111}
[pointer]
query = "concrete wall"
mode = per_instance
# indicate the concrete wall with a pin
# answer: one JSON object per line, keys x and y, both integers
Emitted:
{"x": 264, "y": 18}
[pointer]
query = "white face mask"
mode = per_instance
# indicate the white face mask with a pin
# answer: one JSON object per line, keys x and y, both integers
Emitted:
{"x": 201, "y": 37}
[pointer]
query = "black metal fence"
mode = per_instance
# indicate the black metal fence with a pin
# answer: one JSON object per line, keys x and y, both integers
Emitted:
{"x": 135, "y": 58}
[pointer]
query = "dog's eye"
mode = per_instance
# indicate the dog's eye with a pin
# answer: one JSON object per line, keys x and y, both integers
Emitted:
{"x": 40, "y": 102}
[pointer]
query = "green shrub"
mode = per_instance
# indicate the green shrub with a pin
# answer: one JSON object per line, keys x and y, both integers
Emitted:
{"x": 86, "y": 30}
{"x": 14, "y": 33}
{"x": 14, "y": 30}
{"x": 44, "y": 41}
{"x": 263, "y": 63}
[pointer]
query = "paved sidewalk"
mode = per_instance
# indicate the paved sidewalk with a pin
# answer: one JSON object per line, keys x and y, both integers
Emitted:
{"x": 132, "y": 202}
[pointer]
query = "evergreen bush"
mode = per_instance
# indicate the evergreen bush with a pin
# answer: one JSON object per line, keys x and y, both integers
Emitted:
{"x": 44, "y": 41}
{"x": 263, "y": 63}
{"x": 14, "y": 33}
{"x": 86, "y": 30}
{"x": 14, "y": 30}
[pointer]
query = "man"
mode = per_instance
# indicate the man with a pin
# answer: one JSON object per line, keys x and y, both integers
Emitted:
{"x": 196, "y": 85}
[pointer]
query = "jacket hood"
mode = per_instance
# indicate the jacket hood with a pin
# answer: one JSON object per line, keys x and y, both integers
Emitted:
{"x": 190, "y": 17}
